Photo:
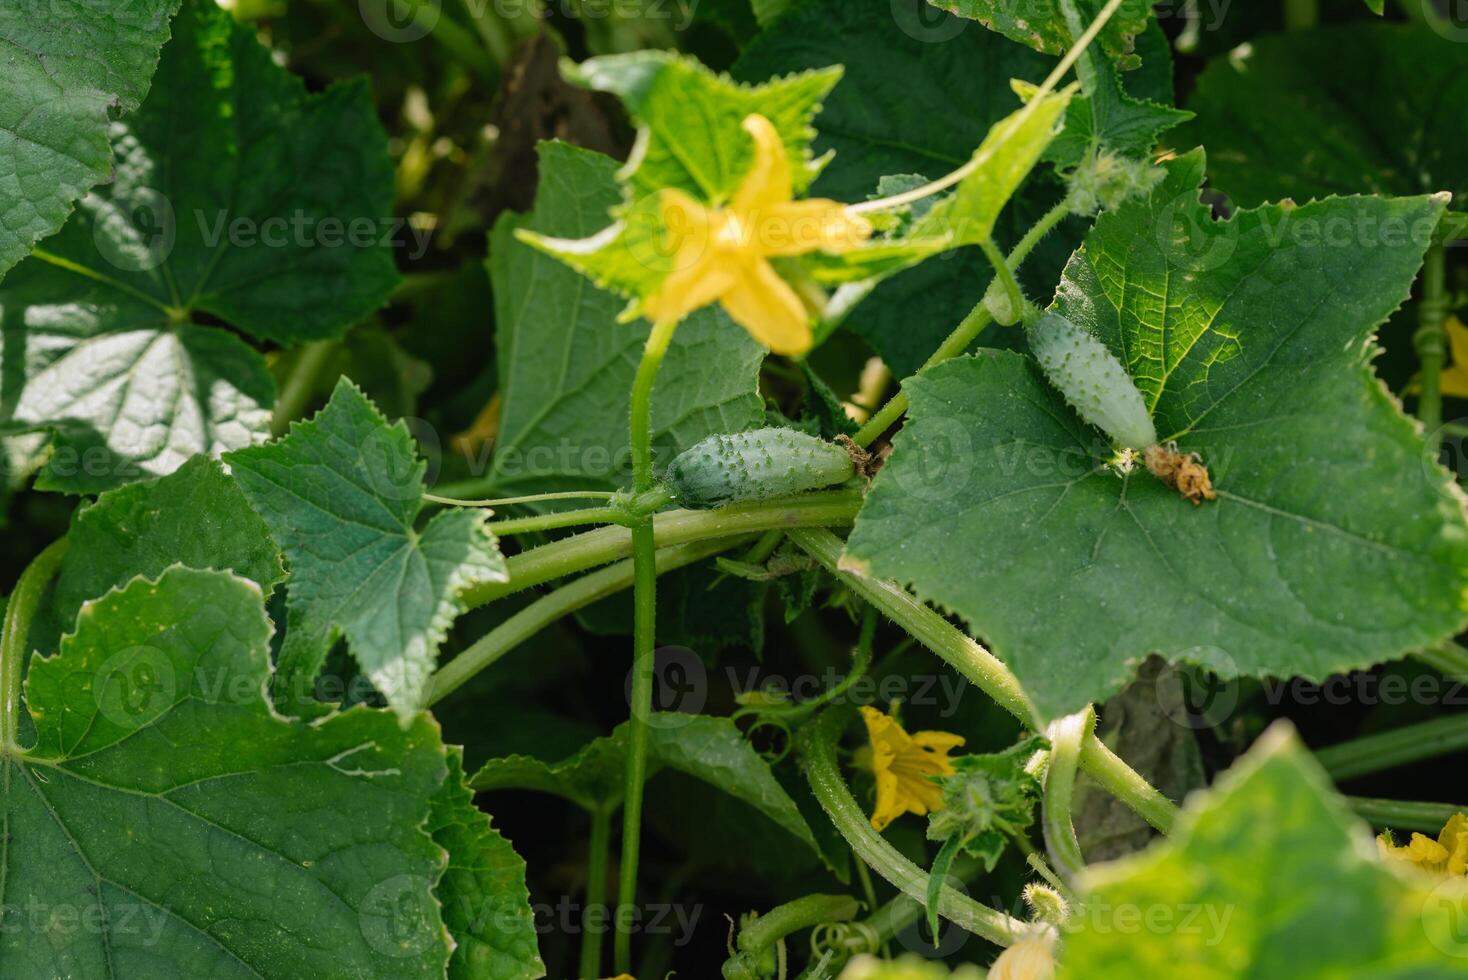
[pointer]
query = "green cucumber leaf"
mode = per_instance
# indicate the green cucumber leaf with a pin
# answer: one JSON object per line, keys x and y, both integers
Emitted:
{"x": 1041, "y": 25}
{"x": 1362, "y": 108}
{"x": 205, "y": 835}
{"x": 1269, "y": 876}
{"x": 486, "y": 905}
{"x": 867, "y": 123}
{"x": 702, "y": 746}
{"x": 69, "y": 68}
{"x": 1107, "y": 116}
{"x": 566, "y": 364}
{"x": 235, "y": 198}
{"x": 1250, "y": 343}
{"x": 195, "y": 516}
{"x": 691, "y": 138}
{"x": 341, "y": 493}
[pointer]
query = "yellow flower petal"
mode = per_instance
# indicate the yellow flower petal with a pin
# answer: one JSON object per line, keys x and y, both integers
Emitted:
{"x": 1454, "y": 842}
{"x": 904, "y": 766}
{"x": 721, "y": 255}
{"x": 765, "y": 305}
{"x": 1448, "y": 855}
{"x": 1453, "y": 382}
{"x": 1030, "y": 958}
{"x": 817, "y": 224}
{"x": 768, "y": 181}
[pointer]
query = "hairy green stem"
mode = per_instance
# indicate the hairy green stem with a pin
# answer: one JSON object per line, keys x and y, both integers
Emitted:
{"x": 533, "y": 498}
{"x": 598, "y": 854}
{"x": 606, "y": 544}
{"x": 1398, "y": 747}
{"x": 1431, "y": 344}
{"x": 1405, "y": 814}
{"x": 803, "y": 913}
{"x": 644, "y": 640}
{"x": 817, "y": 745}
{"x": 1067, "y": 735}
{"x": 968, "y": 328}
{"x": 987, "y": 673}
{"x": 20, "y": 610}
{"x": 555, "y": 605}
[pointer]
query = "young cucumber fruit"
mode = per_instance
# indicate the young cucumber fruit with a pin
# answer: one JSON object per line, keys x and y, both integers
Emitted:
{"x": 1092, "y": 380}
{"x": 756, "y": 465}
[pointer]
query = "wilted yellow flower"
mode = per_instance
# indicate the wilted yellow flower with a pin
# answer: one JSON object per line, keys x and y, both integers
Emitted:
{"x": 1030, "y": 958}
{"x": 722, "y": 254}
{"x": 904, "y": 765}
{"x": 1448, "y": 855}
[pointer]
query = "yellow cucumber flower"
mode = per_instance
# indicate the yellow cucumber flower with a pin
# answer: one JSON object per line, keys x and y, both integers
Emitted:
{"x": 904, "y": 765}
{"x": 1030, "y": 958}
{"x": 1448, "y": 855}
{"x": 723, "y": 253}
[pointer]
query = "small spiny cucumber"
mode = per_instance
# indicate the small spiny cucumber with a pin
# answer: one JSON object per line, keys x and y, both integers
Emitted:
{"x": 1092, "y": 380}
{"x": 756, "y": 465}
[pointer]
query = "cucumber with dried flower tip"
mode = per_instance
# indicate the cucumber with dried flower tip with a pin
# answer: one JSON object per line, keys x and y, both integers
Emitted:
{"x": 1092, "y": 379}
{"x": 756, "y": 465}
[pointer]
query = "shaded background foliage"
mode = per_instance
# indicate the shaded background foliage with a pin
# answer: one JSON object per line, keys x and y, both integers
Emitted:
{"x": 464, "y": 107}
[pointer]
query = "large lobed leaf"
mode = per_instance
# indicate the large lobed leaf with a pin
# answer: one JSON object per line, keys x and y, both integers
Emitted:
{"x": 236, "y": 197}
{"x": 341, "y": 493}
{"x": 1266, "y": 876}
{"x": 1336, "y": 541}
{"x": 196, "y": 832}
{"x": 1361, "y": 108}
{"x": 69, "y": 65}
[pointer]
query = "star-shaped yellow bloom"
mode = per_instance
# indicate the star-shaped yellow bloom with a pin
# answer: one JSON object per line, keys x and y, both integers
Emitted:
{"x": 722, "y": 254}
{"x": 1448, "y": 855}
{"x": 1455, "y": 375}
{"x": 904, "y": 765}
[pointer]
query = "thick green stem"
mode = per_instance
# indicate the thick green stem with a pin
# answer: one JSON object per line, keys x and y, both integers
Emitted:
{"x": 1431, "y": 344}
{"x": 1398, "y": 747}
{"x": 25, "y": 599}
{"x": 803, "y": 913}
{"x": 817, "y": 745}
{"x": 969, "y": 328}
{"x": 1428, "y": 818}
{"x": 607, "y": 544}
{"x": 644, "y": 641}
{"x": 644, "y": 621}
{"x": 987, "y": 673}
{"x": 1067, "y": 736}
{"x": 598, "y": 854}
{"x": 558, "y": 604}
